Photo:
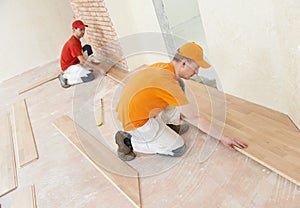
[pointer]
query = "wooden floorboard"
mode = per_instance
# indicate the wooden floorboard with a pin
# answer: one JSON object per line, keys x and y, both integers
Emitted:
{"x": 256, "y": 126}
{"x": 8, "y": 173}
{"x": 121, "y": 175}
{"x": 27, "y": 150}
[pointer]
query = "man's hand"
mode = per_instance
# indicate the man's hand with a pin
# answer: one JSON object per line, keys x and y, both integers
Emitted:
{"x": 231, "y": 143}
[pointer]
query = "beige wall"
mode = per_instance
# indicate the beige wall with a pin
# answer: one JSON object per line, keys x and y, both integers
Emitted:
{"x": 253, "y": 47}
{"x": 173, "y": 6}
{"x": 131, "y": 17}
{"x": 252, "y": 44}
{"x": 290, "y": 37}
{"x": 32, "y": 33}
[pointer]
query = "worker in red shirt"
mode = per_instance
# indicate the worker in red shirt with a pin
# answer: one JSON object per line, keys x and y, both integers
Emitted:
{"x": 147, "y": 108}
{"x": 72, "y": 60}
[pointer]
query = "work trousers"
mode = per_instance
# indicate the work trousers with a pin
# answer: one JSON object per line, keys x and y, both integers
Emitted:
{"x": 77, "y": 74}
{"x": 156, "y": 137}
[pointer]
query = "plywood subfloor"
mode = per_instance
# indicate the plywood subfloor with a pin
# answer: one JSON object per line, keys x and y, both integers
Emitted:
{"x": 24, "y": 197}
{"x": 8, "y": 173}
{"x": 64, "y": 178}
{"x": 119, "y": 173}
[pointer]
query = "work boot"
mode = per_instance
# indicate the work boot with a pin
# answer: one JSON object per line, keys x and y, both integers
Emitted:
{"x": 125, "y": 150}
{"x": 63, "y": 81}
{"x": 179, "y": 129}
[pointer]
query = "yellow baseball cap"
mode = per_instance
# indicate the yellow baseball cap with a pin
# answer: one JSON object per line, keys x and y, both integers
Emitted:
{"x": 195, "y": 52}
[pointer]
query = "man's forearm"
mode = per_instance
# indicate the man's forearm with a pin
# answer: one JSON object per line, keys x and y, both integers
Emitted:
{"x": 214, "y": 129}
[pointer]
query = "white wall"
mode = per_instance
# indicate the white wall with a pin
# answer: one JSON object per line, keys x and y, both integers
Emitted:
{"x": 32, "y": 33}
{"x": 253, "y": 46}
{"x": 179, "y": 11}
{"x": 289, "y": 29}
{"x": 132, "y": 17}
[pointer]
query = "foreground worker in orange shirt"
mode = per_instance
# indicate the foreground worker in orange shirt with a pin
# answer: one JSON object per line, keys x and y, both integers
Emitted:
{"x": 147, "y": 107}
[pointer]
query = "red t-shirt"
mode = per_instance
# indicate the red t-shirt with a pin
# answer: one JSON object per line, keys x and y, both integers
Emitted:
{"x": 70, "y": 51}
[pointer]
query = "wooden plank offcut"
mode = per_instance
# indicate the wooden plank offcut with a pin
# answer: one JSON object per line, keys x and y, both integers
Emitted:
{"x": 8, "y": 174}
{"x": 119, "y": 173}
{"x": 54, "y": 76}
{"x": 272, "y": 138}
{"x": 27, "y": 150}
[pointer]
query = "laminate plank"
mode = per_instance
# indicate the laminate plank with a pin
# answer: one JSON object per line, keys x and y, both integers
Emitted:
{"x": 117, "y": 74}
{"x": 8, "y": 173}
{"x": 54, "y": 76}
{"x": 27, "y": 150}
{"x": 272, "y": 139}
{"x": 119, "y": 173}
{"x": 280, "y": 158}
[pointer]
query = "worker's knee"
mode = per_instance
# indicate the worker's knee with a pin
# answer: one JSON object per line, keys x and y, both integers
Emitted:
{"x": 89, "y": 77}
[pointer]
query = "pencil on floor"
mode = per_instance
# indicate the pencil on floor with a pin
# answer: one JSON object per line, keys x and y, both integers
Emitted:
{"x": 100, "y": 121}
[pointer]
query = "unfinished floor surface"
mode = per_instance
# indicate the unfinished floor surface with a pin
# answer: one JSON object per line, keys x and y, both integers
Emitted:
{"x": 64, "y": 178}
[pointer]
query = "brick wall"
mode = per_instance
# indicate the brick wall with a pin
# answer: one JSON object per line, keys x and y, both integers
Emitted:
{"x": 100, "y": 33}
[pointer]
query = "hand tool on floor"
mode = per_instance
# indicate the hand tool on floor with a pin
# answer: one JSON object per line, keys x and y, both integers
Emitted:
{"x": 100, "y": 121}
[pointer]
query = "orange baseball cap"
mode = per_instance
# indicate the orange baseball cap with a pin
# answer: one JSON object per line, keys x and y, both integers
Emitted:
{"x": 195, "y": 52}
{"x": 78, "y": 24}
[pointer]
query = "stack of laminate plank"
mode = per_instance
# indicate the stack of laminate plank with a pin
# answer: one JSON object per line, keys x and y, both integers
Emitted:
{"x": 27, "y": 152}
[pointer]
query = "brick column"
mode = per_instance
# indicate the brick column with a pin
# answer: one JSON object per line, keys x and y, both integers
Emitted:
{"x": 100, "y": 33}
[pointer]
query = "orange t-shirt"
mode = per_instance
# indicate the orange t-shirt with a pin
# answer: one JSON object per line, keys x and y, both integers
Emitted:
{"x": 148, "y": 93}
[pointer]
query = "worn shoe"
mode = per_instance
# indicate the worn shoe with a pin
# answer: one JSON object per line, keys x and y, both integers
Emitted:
{"x": 63, "y": 81}
{"x": 93, "y": 59}
{"x": 125, "y": 150}
{"x": 179, "y": 129}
